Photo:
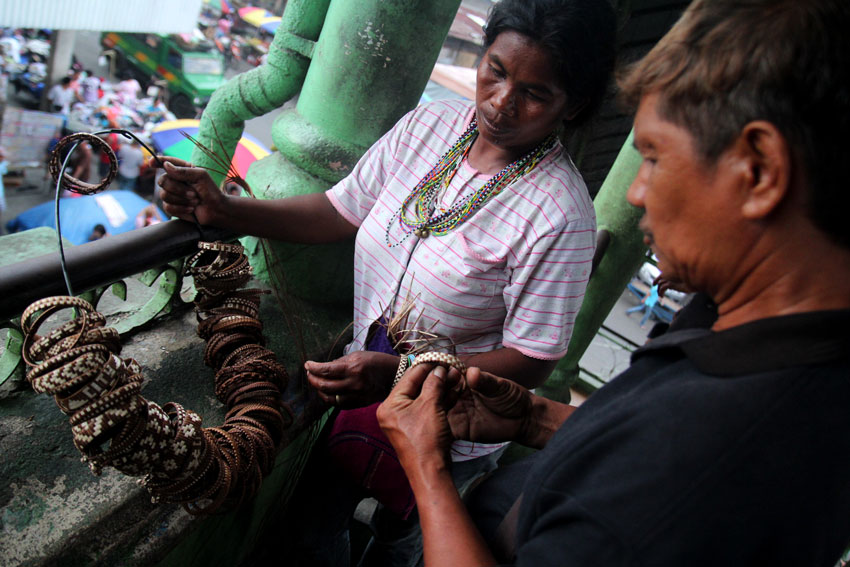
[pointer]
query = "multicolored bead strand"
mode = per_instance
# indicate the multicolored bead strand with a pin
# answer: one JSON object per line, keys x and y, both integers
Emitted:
{"x": 426, "y": 192}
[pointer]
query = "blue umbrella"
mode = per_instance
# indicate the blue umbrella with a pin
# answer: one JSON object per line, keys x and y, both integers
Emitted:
{"x": 115, "y": 210}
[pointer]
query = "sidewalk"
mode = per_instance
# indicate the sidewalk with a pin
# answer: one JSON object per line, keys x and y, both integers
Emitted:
{"x": 31, "y": 188}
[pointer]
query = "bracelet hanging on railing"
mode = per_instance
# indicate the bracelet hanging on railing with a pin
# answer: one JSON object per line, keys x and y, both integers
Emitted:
{"x": 204, "y": 469}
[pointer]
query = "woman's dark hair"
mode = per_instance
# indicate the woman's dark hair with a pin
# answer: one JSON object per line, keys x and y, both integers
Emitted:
{"x": 580, "y": 36}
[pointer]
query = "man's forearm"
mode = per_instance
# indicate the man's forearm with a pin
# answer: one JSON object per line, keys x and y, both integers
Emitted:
{"x": 449, "y": 536}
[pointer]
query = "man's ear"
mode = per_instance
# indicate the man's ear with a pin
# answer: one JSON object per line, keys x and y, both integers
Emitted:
{"x": 766, "y": 166}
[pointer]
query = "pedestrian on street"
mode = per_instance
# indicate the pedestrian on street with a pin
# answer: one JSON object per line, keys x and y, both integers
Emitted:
{"x": 4, "y": 168}
{"x": 61, "y": 96}
{"x": 130, "y": 161}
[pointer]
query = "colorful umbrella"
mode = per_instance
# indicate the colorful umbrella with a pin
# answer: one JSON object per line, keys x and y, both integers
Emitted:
{"x": 169, "y": 140}
{"x": 222, "y": 6}
{"x": 271, "y": 25}
{"x": 260, "y": 18}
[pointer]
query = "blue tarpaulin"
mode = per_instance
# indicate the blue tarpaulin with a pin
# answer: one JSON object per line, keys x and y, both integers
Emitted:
{"x": 115, "y": 210}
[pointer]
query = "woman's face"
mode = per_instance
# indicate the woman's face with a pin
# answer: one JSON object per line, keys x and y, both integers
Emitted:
{"x": 518, "y": 98}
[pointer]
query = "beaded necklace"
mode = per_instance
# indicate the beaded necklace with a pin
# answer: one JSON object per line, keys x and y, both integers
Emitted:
{"x": 427, "y": 191}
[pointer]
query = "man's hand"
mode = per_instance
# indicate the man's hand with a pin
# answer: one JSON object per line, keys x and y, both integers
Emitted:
{"x": 359, "y": 379}
{"x": 491, "y": 409}
{"x": 414, "y": 418}
{"x": 188, "y": 191}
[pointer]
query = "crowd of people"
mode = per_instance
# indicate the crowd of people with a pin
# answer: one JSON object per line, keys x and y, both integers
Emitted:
{"x": 89, "y": 102}
{"x": 81, "y": 96}
{"x": 237, "y": 41}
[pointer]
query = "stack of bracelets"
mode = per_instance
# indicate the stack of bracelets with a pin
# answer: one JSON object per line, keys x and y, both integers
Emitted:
{"x": 204, "y": 469}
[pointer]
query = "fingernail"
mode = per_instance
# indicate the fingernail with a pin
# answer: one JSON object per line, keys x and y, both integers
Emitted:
{"x": 440, "y": 371}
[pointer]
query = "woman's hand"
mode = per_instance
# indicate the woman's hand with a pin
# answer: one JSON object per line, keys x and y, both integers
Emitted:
{"x": 355, "y": 380}
{"x": 491, "y": 409}
{"x": 414, "y": 418}
{"x": 188, "y": 191}
{"x": 308, "y": 219}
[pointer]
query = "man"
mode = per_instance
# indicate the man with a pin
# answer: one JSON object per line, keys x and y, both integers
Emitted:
{"x": 98, "y": 232}
{"x": 725, "y": 443}
{"x": 61, "y": 95}
{"x": 90, "y": 87}
{"x": 130, "y": 162}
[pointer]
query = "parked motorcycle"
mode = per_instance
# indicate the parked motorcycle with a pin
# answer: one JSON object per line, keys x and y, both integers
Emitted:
{"x": 29, "y": 84}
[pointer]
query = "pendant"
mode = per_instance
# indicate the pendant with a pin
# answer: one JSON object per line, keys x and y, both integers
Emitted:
{"x": 422, "y": 232}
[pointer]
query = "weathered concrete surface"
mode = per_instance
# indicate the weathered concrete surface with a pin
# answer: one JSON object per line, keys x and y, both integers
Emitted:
{"x": 53, "y": 511}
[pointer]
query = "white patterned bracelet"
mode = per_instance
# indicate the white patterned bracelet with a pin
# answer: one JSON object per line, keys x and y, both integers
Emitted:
{"x": 441, "y": 358}
{"x": 406, "y": 362}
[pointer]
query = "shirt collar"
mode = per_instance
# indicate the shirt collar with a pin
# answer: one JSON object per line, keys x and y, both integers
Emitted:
{"x": 767, "y": 344}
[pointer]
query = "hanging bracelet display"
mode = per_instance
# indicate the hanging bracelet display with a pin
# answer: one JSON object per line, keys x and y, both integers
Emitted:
{"x": 204, "y": 469}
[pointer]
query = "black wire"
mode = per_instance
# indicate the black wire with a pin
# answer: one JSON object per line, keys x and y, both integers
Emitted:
{"x": 126, "y": 134}
{"x": 56, "y": 217}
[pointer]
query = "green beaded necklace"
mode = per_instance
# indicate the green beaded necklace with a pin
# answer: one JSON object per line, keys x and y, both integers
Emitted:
{"x": 429, "y": 187}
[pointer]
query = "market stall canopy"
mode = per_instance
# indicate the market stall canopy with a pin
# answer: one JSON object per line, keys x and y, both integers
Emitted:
{"x": 260, "y": 17}
{"x": 115, "y": 210}
{"x": 169, "y": 139}
{"x": 152, "y": 16}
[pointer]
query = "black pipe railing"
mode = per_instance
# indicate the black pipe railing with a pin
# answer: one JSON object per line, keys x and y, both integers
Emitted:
{"x": 101, "y": 262}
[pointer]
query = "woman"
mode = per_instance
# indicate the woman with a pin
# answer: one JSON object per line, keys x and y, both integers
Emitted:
{"x": 471, "y": 215}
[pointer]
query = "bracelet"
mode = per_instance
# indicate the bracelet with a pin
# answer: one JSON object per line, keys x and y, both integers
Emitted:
{"x": 403, "y": 364}
{"x": 441, "y": 358}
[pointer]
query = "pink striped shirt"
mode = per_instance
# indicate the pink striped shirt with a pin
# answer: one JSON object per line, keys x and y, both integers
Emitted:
{"x": 513, "y": 275}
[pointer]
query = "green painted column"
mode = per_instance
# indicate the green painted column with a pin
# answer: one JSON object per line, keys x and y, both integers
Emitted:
{"x": 266, "y": 88}
{"x": 622, "y": 257}
{"x": 370, "y": 66}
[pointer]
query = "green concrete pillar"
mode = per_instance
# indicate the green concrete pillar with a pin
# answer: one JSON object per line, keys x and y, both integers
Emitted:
{"x": 59, "y": 61}
{"x": 370, "y": 66}
{"x": 622, "y": 257}
{"x": 266, "y": 88}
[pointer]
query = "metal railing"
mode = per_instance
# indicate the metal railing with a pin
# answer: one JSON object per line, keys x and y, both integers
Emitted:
{"x": 100, "y": 263}
{"x": 153, "y": 254}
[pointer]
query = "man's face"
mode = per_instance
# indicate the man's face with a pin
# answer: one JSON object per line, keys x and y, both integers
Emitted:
{"x": 689, "y": 205}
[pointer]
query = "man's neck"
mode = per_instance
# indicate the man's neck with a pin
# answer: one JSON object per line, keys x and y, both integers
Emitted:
{"x": 806, "y": 273}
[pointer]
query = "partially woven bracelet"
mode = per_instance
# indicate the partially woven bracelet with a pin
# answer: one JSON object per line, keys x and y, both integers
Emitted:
{"x": 54, "y": 165}
{"x": 441, "y": 358}
{"x": 405, "y": 363}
